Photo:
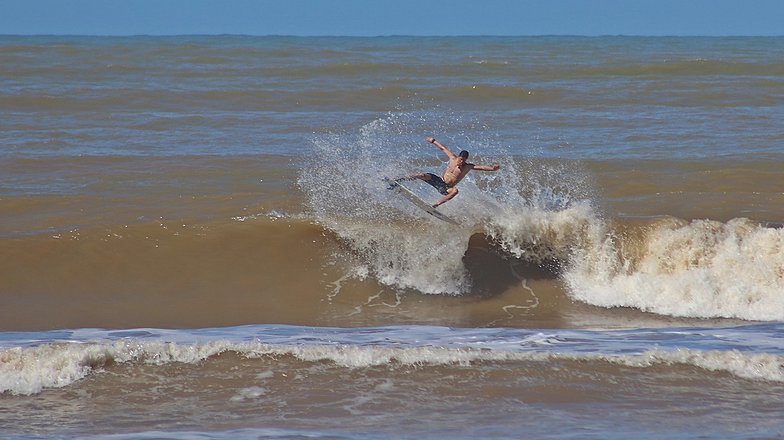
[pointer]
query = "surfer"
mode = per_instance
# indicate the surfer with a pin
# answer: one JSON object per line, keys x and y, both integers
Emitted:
{"x": 456, "y": 169}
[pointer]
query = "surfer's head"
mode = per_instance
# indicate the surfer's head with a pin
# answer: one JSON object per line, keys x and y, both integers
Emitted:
{"x": 464, "y": 154}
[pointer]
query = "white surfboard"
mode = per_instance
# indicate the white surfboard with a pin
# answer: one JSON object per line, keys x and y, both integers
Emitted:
{"x": 421, "y": 204}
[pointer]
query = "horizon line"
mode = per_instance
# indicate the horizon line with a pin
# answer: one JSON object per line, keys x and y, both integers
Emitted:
{"x": 392, "y": 35}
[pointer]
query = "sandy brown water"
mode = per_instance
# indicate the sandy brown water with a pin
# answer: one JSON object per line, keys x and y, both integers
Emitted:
{"x": 196, "y": 241}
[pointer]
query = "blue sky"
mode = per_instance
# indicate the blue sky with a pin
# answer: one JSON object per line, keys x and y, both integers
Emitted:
{"x": 393, "y": 17}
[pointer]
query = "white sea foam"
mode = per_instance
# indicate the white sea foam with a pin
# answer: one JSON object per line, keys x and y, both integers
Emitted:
{"x": 760, "y": 366}
{"x": 700, "y": 269}
{"x": 249, "y": 393}
{"x": 29, "y": 370}
{"x": 703, "y": 268}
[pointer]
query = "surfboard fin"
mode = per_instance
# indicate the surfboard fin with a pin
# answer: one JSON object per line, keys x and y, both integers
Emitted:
{"x": 392, "y": 184}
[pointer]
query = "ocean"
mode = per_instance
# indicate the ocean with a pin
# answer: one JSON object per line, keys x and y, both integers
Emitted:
{"x": 196, "y": 240}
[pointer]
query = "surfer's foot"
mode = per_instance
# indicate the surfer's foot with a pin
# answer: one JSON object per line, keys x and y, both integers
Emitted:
{"x": 392, "y": 183}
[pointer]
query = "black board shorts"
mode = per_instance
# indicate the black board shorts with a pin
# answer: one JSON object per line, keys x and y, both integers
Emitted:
{"x": 437, "y": 183}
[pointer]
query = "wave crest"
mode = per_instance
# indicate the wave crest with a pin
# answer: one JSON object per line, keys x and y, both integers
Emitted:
{"x": 701, "y": 269}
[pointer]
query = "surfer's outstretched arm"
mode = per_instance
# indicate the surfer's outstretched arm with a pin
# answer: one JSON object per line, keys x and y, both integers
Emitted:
{"x": 441, "y": 147}
{"x": 486, "y": 167}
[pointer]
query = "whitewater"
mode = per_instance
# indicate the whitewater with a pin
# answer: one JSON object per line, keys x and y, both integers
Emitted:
{"x": 32, "y": 362}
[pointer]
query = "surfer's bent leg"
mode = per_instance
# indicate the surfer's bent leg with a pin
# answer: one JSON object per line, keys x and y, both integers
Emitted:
{"x": 436, "y": 182}
{"x": 450, "y": 194}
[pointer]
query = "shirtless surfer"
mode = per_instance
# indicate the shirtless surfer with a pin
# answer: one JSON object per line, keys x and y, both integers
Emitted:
{"x": 456, "y": 169}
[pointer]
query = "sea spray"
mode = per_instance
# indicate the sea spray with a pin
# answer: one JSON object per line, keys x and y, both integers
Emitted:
{"x": 348, "y": 196}
{"x": 405, "y": 248}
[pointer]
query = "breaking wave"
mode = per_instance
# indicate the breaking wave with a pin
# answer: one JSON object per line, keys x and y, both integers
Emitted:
{"x": 48, "y": 363}
{"x": 538, "y": 212}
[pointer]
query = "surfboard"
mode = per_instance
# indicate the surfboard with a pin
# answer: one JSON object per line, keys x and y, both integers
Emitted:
{"x": 421, "y": 204}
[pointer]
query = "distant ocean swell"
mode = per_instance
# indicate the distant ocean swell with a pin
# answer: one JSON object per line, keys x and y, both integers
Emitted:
{"x": 279, "y": 57}
{"x": 279, "y": 74}
{"x": 379, "y": 97}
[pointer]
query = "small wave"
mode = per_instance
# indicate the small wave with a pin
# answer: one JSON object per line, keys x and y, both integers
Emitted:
{"x": 29, "y": 369}
{"x": 235, "y": 434}
{"x": 686, "y": 67}
{"x": 484, "y": 93}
